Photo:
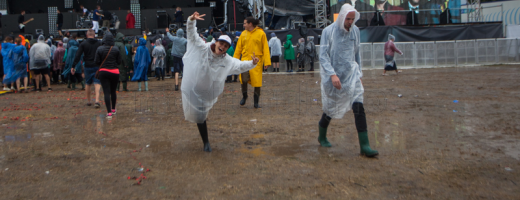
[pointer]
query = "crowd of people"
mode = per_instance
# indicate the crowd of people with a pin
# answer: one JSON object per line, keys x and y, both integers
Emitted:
{"x": 213, "y": 58}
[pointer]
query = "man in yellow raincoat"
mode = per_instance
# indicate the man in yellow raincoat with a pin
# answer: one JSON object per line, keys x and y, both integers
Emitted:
{"x": 252, "y": 40}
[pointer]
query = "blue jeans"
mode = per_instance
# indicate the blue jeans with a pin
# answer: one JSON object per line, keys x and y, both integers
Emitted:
{"x": 90, "y": 76}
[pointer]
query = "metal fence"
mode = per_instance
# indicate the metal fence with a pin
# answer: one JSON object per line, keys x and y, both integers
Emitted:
{"x": 437, "y": 54}
{"x": 445, "y": 53}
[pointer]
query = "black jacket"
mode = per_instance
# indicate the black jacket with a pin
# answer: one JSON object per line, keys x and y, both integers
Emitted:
{"x": 107, "y": 15}
{"x": 113, "y": 59}
{"x": 60, "y": 19}
{"x": 88, "y": 48}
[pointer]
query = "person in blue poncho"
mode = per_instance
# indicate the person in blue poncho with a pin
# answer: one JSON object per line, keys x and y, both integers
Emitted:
{"x": 18, "y": 55}
{"x": 7, "y": 46}
{"x": 141, "y": 62}
{"x": 73, "y": 74}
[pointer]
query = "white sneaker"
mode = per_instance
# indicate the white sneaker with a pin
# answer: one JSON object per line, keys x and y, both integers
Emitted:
{"x": 12, "y": 88}
{"x": 6, "y": 89}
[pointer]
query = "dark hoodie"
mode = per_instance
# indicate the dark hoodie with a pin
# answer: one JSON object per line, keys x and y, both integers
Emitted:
{"x": 120, "y": 39}
{"x": 113, "y": 59}
{"x": 88, "y": 48}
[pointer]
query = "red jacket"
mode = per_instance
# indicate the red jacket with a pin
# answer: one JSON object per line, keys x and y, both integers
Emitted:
{"x": 130, "y": 21}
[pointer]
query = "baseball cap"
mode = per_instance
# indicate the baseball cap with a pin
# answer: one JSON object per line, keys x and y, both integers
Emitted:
{"x": 225, "y": 38}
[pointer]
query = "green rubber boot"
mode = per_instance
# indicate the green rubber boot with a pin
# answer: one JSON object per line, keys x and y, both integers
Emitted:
{"x": 322, "y": 139}
{"x": 73, "y": 86}
{"x": 83, "y": 85}
{"x": 125, "y": 89}
{"x": 146, "y": 85}
{"x": 365, "y": 145}
{"x": 139, "y": 86}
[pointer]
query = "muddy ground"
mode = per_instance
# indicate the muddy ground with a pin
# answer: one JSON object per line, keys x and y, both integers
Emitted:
{"x": 431, "y": 147}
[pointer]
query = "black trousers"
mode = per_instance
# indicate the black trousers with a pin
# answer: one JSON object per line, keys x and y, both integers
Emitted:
{"x": 109, "y": 84}
{"x": 359, "y": 117}
{"x": 289, "y": 62}
{"x": 76, "y": 78}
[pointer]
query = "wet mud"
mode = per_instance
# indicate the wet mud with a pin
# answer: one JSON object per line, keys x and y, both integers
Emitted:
{"x": 453, "y": 134}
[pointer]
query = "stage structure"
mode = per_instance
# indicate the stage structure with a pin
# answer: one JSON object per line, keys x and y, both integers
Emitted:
{"x": 474, "y": 14}
{"x": 321, "y": 14}
{"x": 53, "y": 18}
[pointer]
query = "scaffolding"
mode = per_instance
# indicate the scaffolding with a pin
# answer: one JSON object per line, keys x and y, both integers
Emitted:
{"x": 321, "y": 13}
{"x": 474, "y": 14}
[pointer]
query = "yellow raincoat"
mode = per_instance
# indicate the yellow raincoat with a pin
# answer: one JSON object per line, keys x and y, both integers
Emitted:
{"x": 254, "y": 42}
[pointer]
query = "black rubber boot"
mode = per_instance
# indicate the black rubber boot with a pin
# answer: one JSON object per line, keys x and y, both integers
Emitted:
{"x": 244, "y": 98}
{"x": 203, "y": 130}
{"x": 257, "y": 98}
{"x": 176, "y": 87}
{"x": 125, "y": 84}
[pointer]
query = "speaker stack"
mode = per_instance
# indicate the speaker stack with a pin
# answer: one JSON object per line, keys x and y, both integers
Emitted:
{"x": 162, "y": 19}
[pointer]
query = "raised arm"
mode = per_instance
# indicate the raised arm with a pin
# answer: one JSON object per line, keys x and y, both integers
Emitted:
{"x": 170, "y": 36}
{"x": 193, "y": 37}
{"x": 78, "y": 55}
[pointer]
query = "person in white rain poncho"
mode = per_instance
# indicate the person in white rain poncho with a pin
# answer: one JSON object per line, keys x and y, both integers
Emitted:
{"x": 159, "y": 55}
{"x": 341, "y": 86}
{"x": 39, "y": 61}
{"x": 204, "y": 78}
{"x": 276, "y": 51}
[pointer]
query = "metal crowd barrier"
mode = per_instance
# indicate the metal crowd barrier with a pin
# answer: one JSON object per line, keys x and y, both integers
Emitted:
{"x": 435, "y": 54}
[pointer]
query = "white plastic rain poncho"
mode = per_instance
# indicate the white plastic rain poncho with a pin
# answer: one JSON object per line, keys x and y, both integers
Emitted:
{"x": 40, "y": 54}
{"x": 339, "y": 55}
{"x": 159, "y": 53}
{"x": 276, "y": 45}
{"x": 204, "y": 75}
{"x": 310, "y": 49}
{"x": 300, "y": 51}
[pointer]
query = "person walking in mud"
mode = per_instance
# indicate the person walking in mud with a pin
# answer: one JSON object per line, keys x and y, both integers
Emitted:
{"x": 253, "y": 41}
{"x": 204, "y": 80}
{"x": 390, "y": 49}
{"x": 88, "y": 49}
{"x": 341, "y": 85}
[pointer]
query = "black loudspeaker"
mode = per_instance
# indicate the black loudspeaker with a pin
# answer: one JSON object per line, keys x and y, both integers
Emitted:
{"x": 162, "y": 19}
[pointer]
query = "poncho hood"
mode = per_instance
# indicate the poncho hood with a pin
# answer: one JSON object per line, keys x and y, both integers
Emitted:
{"x": 108, "y": 39}
{"x": 120, "y": 37}
{"x": 289, "y": 37}
{"x": 345, "y": 9}
{"x": 142, "y": 42}
{"x": 180, "y": 33}
{"x": 41, "y": 39}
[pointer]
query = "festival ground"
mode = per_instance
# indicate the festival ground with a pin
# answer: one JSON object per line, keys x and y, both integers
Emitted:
{"x": 453, "y": 134}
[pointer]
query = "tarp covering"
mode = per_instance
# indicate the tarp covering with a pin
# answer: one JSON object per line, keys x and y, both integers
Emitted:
{"x": 290, "y": 7}
{"x": 409, "y": 33}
